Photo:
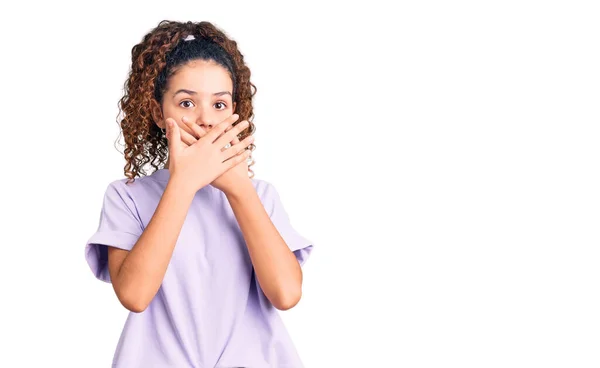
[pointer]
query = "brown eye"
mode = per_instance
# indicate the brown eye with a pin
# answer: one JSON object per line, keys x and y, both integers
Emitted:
{"x": 186, "y": 101}
{"x": 220, "y": 104}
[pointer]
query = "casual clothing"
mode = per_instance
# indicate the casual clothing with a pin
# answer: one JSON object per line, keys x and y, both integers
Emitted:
{"x": 210, "y": 310}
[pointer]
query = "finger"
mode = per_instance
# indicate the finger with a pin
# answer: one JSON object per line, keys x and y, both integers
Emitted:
{"x": 231, "y": 127}
{"x": 197, "y": 131}
{"x": 237, "y": 148}
{"x": 232, "y": 133}
{"x": 220, "y": 128}
{"x": 173, "y": 136}
{"x": 236, "y": 159}
{"x": 225, "y": 147}
{"x": 234, "y": 141}
{"x": 187, "y": 138}
{"x": 185, "y": 128}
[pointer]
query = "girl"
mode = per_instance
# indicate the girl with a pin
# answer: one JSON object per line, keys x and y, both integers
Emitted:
{"x": 200, "y": 252}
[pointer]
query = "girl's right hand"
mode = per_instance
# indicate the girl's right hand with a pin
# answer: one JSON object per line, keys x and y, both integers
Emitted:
{"x": 198, "y": 164}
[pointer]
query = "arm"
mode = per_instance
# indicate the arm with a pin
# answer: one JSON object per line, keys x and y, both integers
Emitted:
{"x": 136, "y": 275}
{"x": 277, "y": 269}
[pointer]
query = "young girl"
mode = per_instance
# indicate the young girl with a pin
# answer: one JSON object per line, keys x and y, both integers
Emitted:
{"x": 201, "y": 252}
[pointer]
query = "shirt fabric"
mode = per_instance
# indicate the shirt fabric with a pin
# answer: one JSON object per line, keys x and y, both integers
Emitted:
{"x": 210, "y": 310}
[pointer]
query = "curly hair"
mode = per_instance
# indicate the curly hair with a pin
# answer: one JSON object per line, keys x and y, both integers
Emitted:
{"x": 153, "y": 61}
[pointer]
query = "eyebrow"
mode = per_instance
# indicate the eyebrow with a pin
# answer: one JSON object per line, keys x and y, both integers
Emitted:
{"x": 190, "y": 92}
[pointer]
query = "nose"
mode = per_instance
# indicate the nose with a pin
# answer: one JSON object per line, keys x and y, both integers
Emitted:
{"x": 206, "y": 124}
{"x": 205, "y": 117}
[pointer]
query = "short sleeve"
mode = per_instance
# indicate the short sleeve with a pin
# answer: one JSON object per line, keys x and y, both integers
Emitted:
{"x": 119, "y": 226}
{"x": 301, "y": 246}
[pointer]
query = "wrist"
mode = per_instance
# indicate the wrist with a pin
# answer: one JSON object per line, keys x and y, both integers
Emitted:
{"x": 241, "y": 190}
{"x": 181, "y": 186}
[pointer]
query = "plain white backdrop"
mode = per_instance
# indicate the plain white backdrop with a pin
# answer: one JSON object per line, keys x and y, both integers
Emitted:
{"x": 443, "y": 157}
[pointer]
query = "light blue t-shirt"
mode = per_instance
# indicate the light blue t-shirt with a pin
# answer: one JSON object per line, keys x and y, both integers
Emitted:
{"x": 210, "y": 310}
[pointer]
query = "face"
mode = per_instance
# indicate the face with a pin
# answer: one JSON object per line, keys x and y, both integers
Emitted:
{"x": 201, "y": 91}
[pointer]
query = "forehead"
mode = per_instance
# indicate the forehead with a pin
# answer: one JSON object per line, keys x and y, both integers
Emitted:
{"x": 201, "y": 76}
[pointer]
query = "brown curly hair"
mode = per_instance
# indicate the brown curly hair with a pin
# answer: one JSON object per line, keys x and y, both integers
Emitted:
{"x": 145, "y": 142}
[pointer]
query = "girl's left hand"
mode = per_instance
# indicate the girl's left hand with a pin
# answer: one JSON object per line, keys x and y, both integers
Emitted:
{"x": 231, "y": 179}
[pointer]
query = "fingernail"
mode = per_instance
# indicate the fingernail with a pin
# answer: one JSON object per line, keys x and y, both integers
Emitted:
{"x": 235, "y": 116}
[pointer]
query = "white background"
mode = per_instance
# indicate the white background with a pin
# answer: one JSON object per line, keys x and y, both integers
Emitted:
{"x": 443, "y": 157}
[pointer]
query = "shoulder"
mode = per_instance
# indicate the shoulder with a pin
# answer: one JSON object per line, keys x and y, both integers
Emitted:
{"x": 268, "y": 195}
{"x": 264, "y": 188}
{"x": 123, "y": 185}
{"x": 121, "y": 189}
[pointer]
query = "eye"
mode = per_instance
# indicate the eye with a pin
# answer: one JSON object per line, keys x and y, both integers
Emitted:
{"x": 221, "y": 104}
{"x": 188, "y": 101}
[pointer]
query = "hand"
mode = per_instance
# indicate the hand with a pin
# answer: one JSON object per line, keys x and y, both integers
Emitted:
{"x": 202, "y": 161}
{"x": 234, "y": 177}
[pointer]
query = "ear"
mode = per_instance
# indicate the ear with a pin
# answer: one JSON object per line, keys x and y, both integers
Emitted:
{"x": 157, "y": 114}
